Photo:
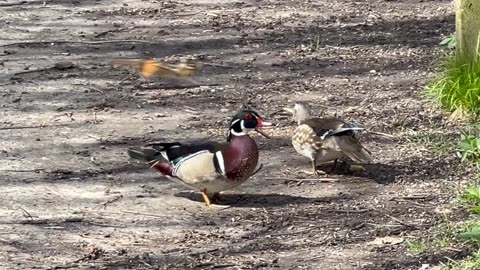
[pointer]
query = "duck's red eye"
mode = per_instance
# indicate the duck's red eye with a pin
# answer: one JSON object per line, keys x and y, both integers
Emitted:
{"x": 248, "y": 116}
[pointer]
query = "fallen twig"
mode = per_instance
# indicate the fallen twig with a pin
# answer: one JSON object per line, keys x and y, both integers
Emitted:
{"x": 25, "y": 213}
{"x": 45, "y": 221}
{"x": 214, "y": 65}
{"x": 398, "y": 220}
{"x": 33, "y": 71}
{"x": 106, "y": 225}
{"x": 383, "y": 225}
{"x": 143, "y": 214}
{"x": 411, "y": 202}
{"x": 54, "y": 227}
{"x": 95, "y": 89}
{"x": 24, "y": 171}
{"x": 79, "y": 42}
{"x": 261, "y": 147}
{"x": 213, "y": 265}
{"x": 112, "y": 200}
{"x": 40, "y": 126}
{"x": 382, "y": 134}
{"x": 71, "y": 265}
{"x": 415, "y": 197}
{"x": 323, "y": 179}
{"x": 94, "y": 137}
{"x": 355, "y": 211}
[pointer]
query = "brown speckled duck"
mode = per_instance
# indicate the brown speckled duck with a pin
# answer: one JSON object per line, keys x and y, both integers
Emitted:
{"x": 207, "y": 166}
{"x": 326, "y": 139}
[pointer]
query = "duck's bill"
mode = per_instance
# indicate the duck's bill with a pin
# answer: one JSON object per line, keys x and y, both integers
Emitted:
{"x": 259, "y": 130}
{"x": 263, "y": 124}
{"x": 288, "y": 110}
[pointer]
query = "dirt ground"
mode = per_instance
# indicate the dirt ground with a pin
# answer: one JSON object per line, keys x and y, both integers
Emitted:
{"x": 70, "y": 197}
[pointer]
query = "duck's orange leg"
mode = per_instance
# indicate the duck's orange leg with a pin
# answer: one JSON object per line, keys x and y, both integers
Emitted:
{"x": 205, "y": 198}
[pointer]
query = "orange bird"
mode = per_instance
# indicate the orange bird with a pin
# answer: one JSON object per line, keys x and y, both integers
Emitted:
{"x": 149, "y": 68}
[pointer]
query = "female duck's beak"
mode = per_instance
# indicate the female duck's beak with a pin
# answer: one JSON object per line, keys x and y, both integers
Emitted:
{"x": 262, "y": 124}
{"x": 288, "y": 110}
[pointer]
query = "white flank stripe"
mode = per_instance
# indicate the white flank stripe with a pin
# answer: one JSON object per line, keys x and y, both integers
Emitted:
{"x": 221, "y": 161}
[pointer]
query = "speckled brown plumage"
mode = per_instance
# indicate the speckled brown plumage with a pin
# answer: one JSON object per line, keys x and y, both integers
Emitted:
{"x": 326, "y": 139}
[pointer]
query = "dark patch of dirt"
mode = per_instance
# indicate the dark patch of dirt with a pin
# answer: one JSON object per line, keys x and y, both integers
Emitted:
{"x": 70, "y": 198}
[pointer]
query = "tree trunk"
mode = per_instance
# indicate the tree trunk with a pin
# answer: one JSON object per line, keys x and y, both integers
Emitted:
{"x": 467, "y": 29}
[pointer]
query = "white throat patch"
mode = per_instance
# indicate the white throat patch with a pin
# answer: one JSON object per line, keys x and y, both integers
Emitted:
{"x": 244, "y": 131}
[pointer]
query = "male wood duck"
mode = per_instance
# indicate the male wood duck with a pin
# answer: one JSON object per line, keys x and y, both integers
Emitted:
{"x": 207, "y": 166}
{"x": 149, "y": 68}
{"x": 326, "y": 139}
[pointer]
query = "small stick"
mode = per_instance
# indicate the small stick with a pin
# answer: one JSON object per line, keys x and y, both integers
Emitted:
{"x": 214, "y": 65}
{"x": 82, "y": 258}
{"x": 78, "y": 42}
{"x": 94, "y": 137}
{"x": 146, "y": 264}
{"x": 414, "y": 197}
{"x": 398, "y": 220}
{"x": 33, "y": 71}
{"x": 143, "y": 214}
{"x": 45, "y": 221}
{"x": 54, "y": 227}
{"x": 41, "y": 126}
{"x": 95, "y": 89}
{"x": 382, "y": 134}
{"x": 23, "y": 171}
{"x": 411, "y": 202}
{"x": 349, "y": 210}
{"x": 105, "y": 225}
{"x": 111, "y": 201}
{"x": 324, "y": 179}
{"x": 26, "y": 213}
{"x": 70, "y": 265}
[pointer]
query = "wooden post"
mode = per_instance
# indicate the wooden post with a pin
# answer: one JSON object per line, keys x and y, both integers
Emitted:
{"x": 467, "y": 24}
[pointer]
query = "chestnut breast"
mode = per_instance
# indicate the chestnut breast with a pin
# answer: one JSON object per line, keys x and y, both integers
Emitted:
{"x": 241, "y": 158}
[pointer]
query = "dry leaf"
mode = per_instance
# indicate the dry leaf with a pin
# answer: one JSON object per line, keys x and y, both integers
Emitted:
{"x": 459, "y": 115}
{"x": 357, "y": 168}
{"x": 387, "y": 240}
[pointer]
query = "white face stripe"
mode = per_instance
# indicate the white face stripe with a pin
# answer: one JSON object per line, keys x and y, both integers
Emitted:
{"x": 244, "y": 131}
{"x": 234, "y": 121}
{"x": 221, "y": 162}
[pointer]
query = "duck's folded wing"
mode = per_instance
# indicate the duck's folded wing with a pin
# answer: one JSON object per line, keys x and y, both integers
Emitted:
{"x": 350, "y": 146}
{"x": 324, "y": 127}
{"x": 176, "y": 151}
{"x": 193, "y": 161}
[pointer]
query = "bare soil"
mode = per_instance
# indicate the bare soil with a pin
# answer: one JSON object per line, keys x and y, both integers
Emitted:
{"x": 70, "y": 197}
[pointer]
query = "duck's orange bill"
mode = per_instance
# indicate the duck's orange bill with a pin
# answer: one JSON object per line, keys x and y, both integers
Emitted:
{"x": 262, "y": 124}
